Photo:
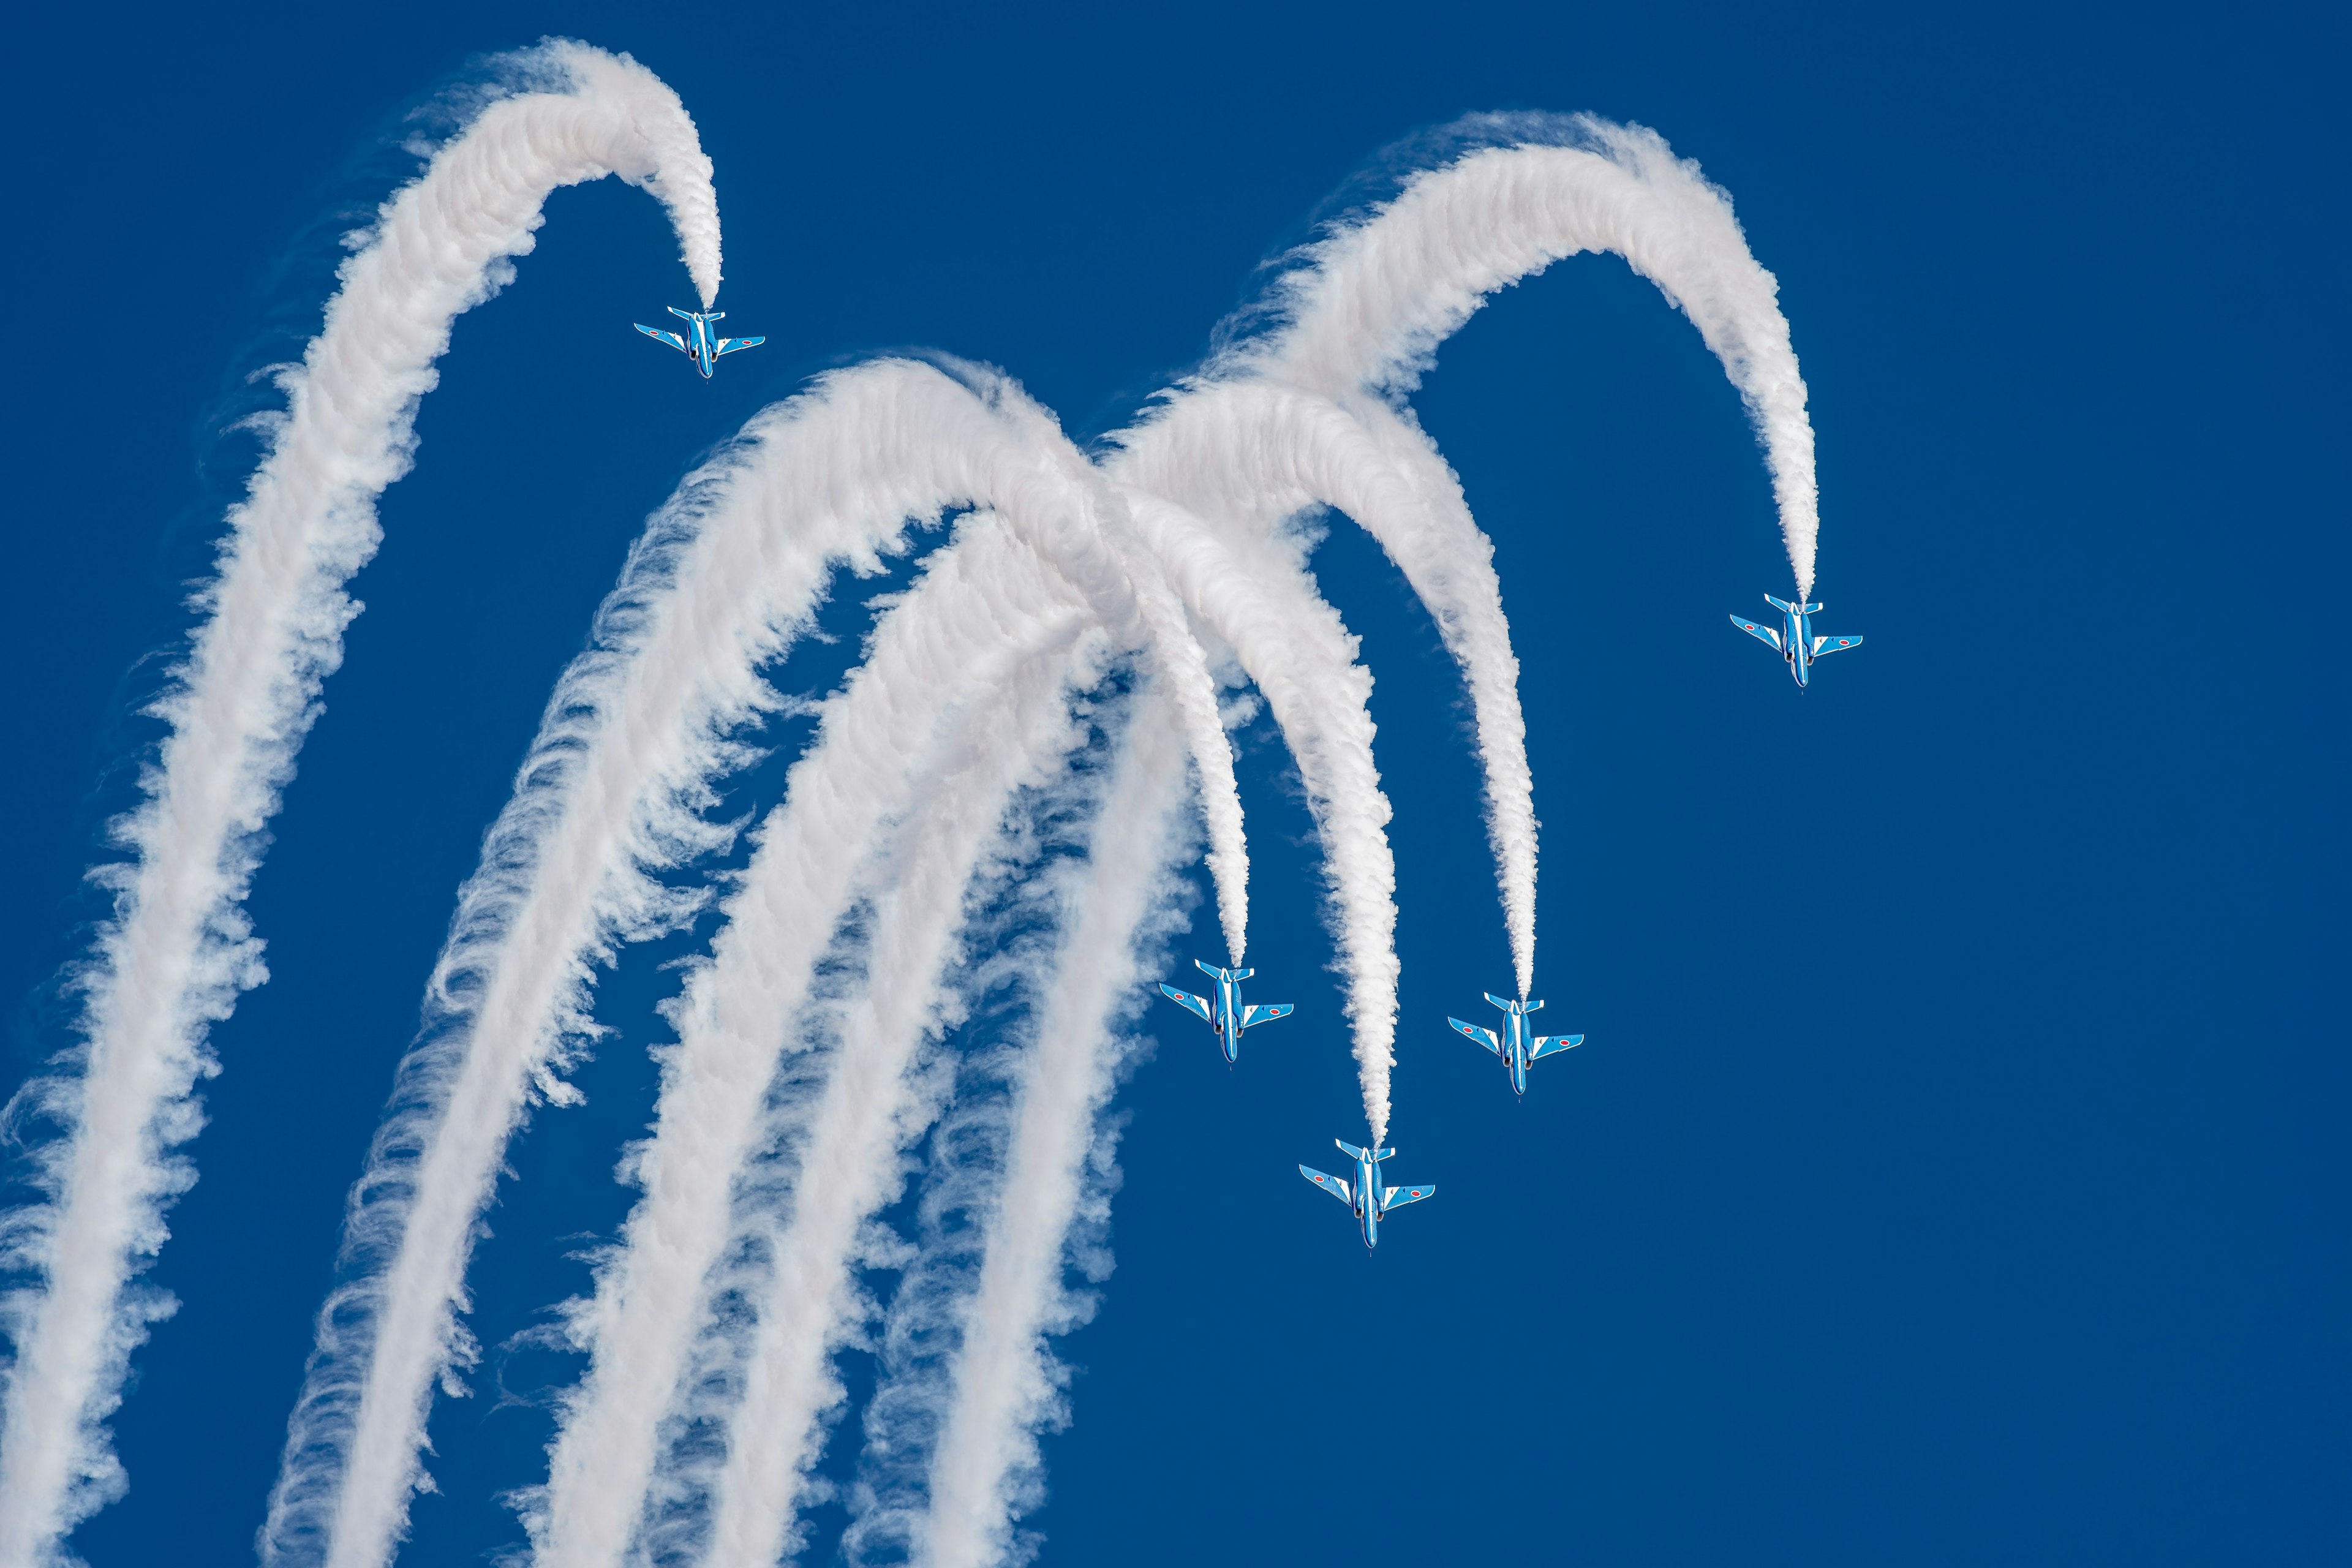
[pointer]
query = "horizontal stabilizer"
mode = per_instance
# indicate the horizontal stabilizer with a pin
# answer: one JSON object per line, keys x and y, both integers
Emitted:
{"x": 1833, "y": 644}
{"x": 1762, "y": 633}
{"x": 1348, "y": 1149}
{"x": 1212, "y": 970}
{"x": 1485, "y": 1037}
{"x": 1266, "y": 1013}
{"x": 1190, "y": 1003}
{"x": 681, "y": 315}
{"x": 1547, "y": 1045}
{"x": 1397, "y": 1198}
{"x": 672, "y": 339}
{"x": 1331, "y": 1184}
{"x": 1778, "y": 603}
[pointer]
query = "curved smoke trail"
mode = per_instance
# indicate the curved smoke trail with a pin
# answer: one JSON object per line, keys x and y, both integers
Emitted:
{"x": 847, "y": 1136}
{"x": 980, "y": 611}
{"x": 1048, "y": 499}
{"x": 178, "y": 948}
{"x": 1252, "y": 452}
{"x": 1363, "y": 313}
{"x": 1310, "y": 413}
{"x": 726, "y": 577}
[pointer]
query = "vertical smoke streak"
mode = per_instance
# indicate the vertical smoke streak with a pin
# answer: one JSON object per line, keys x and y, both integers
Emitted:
{"x": 727, "y": 575}
{"x": 982, "y": 612}
{"x": 845, "y": 1138}
{"x": 983, "y": 1408}
{"x": 178, "y": 948}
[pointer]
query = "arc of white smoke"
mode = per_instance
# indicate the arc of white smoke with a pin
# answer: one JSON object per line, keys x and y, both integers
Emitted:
{"x": 1252, "y": 452}
{"x": 1253, "y": 591}
{"x": 1096, "y": 546}
{"x": 1002, "y": 1383}
{"x": 725, "y": 578}
{"x": 975, "y": 616}
{"x": 1367, "y": 307}
{"x": 1057, "y": 504}
{"x": 847, "y": 1134}
{"x": 1285, "y": 448}
{"x": 179, "y": 948}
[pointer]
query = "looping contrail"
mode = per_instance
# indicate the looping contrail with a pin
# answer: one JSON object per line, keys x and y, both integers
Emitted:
{"x": 178, "y": 949}
{"x": 806, "y": 1065}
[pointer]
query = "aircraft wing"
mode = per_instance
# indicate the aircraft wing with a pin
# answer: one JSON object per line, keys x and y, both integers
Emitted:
{"x": 1190, "y": 1003}
{"x": 1266, "y": 1013}
{"x": 1833, "y": 644}
{"x": 1546, "y": 1045}
{"x": 1397, "y": 1198}
{"x": 1331, "y": 1184}
{"x": 729, "y": 345}
{"x": 672, "y": 339}
{"x": 1484, "y": 1036}
{"x": 1762, "y": 633}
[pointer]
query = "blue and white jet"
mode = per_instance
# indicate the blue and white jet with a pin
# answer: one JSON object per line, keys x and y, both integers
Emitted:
{"x": 1794, "y": 638}
{"x": 700, "y": 345}
{"x": 1224, "y": 1013}
{"x": 1365, "y": 1194}
{"x": 1516, "y": 1046}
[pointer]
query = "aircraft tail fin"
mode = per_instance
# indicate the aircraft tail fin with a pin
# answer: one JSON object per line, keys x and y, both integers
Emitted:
{"x": 681, "y": 315}
{"x": 1778, "y": 603}
{"x": 1348, "y": 1149}
{"x": 1498, "y": 1001}
{"x": 1210, "y": 968}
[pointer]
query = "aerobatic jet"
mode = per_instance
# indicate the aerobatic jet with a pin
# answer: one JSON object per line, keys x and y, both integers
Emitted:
{"x": 701, "y": 344}
{"x": 1516, "y": 1046}
{"x": 1365, "y": 1194}
{"x": 1224, "y": 1011}
{"x": 1794, "y": 638}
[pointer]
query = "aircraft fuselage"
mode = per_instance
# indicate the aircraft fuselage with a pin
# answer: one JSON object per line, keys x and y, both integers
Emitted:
{"x": 1518, "y": 1045}
{"x": 1227, "y": 1023}
{"x": 1368, "y": 1198}
{"x": 702, "y": 341}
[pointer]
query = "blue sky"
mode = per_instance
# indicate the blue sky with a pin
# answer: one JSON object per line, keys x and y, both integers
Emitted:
{"x": 1954, "y": 1173}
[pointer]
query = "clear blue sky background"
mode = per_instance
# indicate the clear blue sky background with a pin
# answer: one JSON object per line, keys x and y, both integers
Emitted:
{"x": 1956, "y": 1172}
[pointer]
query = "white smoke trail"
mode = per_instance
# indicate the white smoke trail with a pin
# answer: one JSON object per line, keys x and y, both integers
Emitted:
{"x": 845, "y": 1138}
{"x": 983, "y": 1408}
{"x": 1254, "y": 591}
{"x": 982, "y": 611}
{"x": 727, "y": 575}
{"x": 1364, "y": 313}
{"x": 178, "y": 948}
{"x": 1284, "y": 424}
{"x": 1359, "y": 321}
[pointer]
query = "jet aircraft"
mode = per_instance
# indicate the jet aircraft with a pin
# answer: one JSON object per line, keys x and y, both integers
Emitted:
{"x": 700, "y": 345}
{"x": 1793, "y": 638}
{"x": 1365, "y": 1194}
{"x": 1516, "y": 1046}
{"x": 1224, "y": 1013}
